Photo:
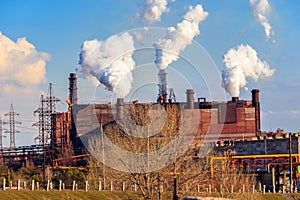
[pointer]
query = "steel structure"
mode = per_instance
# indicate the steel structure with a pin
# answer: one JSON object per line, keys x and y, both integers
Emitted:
{"x": 1, "y": 146}
{"x": 1, "y": 135}
{"x": 45, "y": 112}
{"x": 253, "y": 160}
{"x": 12, "y": 126}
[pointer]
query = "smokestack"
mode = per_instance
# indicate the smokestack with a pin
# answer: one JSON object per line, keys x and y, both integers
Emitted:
{"x": 162, "y": 86}
{"x": 73, "y": 88}
{"x": 120, "y": 108}
{"x": 190, "y": 99}
{"x": 255, "y": 97}
{"x": 256, "y": 105}
{"x": 235, "y": 99}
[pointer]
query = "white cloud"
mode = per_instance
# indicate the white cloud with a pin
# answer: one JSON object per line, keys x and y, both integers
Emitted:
{"x": 284, "y": 113}
{"x": 153, "y": 9}
{"x": 21, "y": 65}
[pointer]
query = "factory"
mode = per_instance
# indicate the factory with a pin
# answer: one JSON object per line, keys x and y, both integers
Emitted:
{"x": 217, "y": 122}
{"x": 232, "y": 126}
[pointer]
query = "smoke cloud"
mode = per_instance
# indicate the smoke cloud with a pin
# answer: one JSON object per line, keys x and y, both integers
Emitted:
{"x": 153, "y": 9}
{"x": 241, "y": 64}
{"x": 109, "y": 62}
{"x": 21, "y": 65}
{"x": 179, "y": 37}
{"x": 260, "y": 10}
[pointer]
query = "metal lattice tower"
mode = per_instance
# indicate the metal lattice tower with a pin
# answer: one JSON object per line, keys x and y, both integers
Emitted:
{"x": 42, "y": 121}
{"x": 12, "y": 126}
{"x": 1, "y": 146}
{"x": 45, "y": 112}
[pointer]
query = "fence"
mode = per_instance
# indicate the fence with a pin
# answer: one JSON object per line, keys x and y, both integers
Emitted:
{"x": 125, "y": 186}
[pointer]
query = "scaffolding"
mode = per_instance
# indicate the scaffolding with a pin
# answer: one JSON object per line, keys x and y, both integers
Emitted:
{"x": 12, "y": 127}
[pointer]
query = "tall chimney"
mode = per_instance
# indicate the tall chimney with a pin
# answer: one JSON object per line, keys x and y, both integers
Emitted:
{"x": 190, "y": 99}
{"x": 235, "y": 99}
{"x": 120, "y": 108}
{"x": 73, "y": 88}
{"x": 256, "y": 105}
{"x": 162, "y": 86}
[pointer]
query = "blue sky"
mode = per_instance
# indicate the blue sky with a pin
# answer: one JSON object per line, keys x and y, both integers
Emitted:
{"x": 60, "y": 27}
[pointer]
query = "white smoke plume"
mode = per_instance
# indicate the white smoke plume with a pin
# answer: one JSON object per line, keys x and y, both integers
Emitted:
{"x": 21, "y": 65}
{"x": 241, "y": 64}
{"x": 179, "y": 37}
{"x": 260, "y": 10}
{"x": 110, "y": 62}
{"x": 153, "y": 9}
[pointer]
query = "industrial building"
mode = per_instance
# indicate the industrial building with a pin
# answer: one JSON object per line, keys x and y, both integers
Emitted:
{"x": 218, "y": 121}
{"x": 232, "y": 127}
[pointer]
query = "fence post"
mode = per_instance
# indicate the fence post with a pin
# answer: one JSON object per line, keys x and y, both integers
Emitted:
{"x": 73, "y": 185}
{"x": 231, "y": 189}
{"x": 86, "y": 185}
{"x": 99, "y": 185}
{"x": 37, "y": 185}
{"x": 4, "y": 184}
{"x": 243, "y": 189}
{"x": 48, "y": 185}
{"x": 209, "y": 188}
{"x": 60, "y": 183}
{"x": 32, "y": 184}
{"x": 253, "y": 189}
{"x": 19, "y": 184}
{"x": 198, "y": 188}
{"x": 123, "y": 187}
{"x": 111, "y": 186}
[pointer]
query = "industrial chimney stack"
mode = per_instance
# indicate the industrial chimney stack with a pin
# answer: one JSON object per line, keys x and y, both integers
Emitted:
{"x": 120, "y": 108}
{"x": 190, "y": 99}
{"x": 256, "y": 105}
{"x": 235, "y": 99}
{"x": 162, "y": 87}
{"x": 73, "y": 88}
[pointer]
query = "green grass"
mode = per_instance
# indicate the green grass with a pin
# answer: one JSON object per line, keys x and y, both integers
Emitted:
{"x": 118, "y": 195}
{"x": 67, "y": 195}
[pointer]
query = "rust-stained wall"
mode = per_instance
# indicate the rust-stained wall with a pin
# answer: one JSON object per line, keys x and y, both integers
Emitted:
{"x": 60, "y": 138}
{"x": 238, "y": 122}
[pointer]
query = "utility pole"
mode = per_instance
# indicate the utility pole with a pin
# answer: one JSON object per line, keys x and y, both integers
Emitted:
{"x": 291, "y": 163}
{"x": 46, "y": 112}
{"x": 1, "y": 135}
{"x": 12, "y": 126}
{"x": 1, "y": 145}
